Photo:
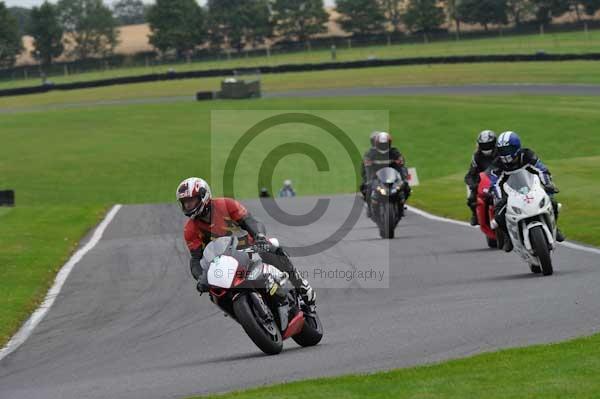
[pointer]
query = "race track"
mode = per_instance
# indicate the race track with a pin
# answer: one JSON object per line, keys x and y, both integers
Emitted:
{"x": 129, "y": 324}
{"x": 417, "y": 90}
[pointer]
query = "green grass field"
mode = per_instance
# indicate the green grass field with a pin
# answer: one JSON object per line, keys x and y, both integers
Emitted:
{"x": 566, "y": 370}
{"x": 578, "y": 72}
{"x": 571, "y": 42}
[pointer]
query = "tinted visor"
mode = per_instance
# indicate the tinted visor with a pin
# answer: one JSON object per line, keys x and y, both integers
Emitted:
{"x": 487, "y": 146}
{"x": 383, "y": 146}
{"x": 507, "y": 150}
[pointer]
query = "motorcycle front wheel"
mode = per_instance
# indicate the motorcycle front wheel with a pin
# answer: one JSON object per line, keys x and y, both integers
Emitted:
{"x": 388, "y": 220}
{"x": 541, "y": 249}
{"x": 264, "y": 333}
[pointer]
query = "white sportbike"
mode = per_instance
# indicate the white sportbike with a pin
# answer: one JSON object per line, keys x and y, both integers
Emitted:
{"x": 530, "y": 220}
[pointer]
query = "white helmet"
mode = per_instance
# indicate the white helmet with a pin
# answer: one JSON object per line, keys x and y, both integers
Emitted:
{"x": 194, "y": 187}
{"x": 486, "y": 142}
{"x": 383, "y": 142}
{"x": 287, "y": 183}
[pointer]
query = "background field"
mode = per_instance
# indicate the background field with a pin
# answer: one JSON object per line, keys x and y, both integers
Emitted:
{"x": 573, "y": 72}
{"x": 556, "y": 43}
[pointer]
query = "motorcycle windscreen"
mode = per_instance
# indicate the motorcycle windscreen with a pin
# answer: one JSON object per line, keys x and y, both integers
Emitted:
{"x": 216, "y": 248}
{"x": 521, "y": 181}
{"x": 388, "y": 175}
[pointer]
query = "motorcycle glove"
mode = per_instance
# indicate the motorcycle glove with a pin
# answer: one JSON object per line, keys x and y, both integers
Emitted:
{"x": 262, "y": 244}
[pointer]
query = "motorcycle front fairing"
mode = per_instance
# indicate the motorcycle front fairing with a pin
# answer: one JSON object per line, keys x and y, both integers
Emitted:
{"x": 388, "y": 182}
{"x": 528, "y": 206}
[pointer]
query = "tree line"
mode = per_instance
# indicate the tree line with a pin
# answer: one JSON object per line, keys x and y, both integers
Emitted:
{"x": 88, "y": 28}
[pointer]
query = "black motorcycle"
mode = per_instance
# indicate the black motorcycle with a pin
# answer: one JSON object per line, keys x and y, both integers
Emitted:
{"x": 387, "y": 200}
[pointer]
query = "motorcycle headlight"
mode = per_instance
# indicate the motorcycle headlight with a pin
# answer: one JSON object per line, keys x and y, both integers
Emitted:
{"x": 543, "y": 202}
{"x": 516, "y": 210}
{"x": 382, "y": 190}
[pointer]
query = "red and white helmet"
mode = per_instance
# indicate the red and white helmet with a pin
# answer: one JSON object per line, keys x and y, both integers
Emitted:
{"x": 194, "y": 187}
{"x": 383, "y": 142}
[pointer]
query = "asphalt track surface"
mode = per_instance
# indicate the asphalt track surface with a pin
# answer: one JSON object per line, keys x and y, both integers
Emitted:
{"x": 479, "y": 89}
{"x": 128, "y": 323}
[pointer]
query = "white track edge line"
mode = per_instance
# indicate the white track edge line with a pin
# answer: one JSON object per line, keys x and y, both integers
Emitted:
{"x": 38, "y": 315}
{"x": 427, "y": 215}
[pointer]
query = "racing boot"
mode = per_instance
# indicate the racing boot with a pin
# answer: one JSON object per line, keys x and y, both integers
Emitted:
{"x": 508, "y": 245}
{"x": 560, "y": 237}
{"x": 301, "y": 284}
{"x": 474, "y": 221}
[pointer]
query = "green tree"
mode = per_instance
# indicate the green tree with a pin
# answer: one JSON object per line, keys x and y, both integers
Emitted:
{"x": 423, "y": 16}
{"x": 299, "y": 19}
{"x": 178, "y": 25}
{"x": 10, "y": 39}
{"x": 590, "y": 7}
{"x": 238, "y": 23}
{"x": 261, "y": 24}
{"x": 129, "y": 12}
{"x": 90, "y": 27}
{"x": 22, "y": 15}
{"x": 484, "y": 12}
{"x": 453, "y": 13}
{"x": 519, "y": 10}
{"x": 360, "y": 17}
{"x": 47, "y": 33}
{"x": 545, "y": 10}
{"x": 392, "y": 10}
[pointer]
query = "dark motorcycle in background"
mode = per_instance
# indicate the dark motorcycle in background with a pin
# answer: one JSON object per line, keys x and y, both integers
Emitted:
{"x": 258, "y": 296}
{"x": 387, "y": 200}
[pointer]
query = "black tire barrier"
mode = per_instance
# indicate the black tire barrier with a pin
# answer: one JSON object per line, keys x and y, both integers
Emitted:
{"x": 7, "y": 198}
{"x": 205, "y": 95}
{"x": 538, "y": 57}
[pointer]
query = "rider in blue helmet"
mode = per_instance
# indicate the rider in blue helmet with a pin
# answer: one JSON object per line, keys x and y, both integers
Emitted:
{"x": 511, "y": 157}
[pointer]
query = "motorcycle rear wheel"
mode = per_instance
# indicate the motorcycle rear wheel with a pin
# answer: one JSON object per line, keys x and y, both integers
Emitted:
{"x": 312, "y": 331}
{"x": 491, "y": 243}
{"x": 269, "y": 343}
{"x": 535, "y": 269}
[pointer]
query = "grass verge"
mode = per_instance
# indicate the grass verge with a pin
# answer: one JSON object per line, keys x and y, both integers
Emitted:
{"x": 36, "y": 242}
{"x": 565, "y": 370}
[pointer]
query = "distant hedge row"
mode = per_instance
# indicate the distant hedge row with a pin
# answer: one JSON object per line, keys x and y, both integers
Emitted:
{"x": 301, "y": 68}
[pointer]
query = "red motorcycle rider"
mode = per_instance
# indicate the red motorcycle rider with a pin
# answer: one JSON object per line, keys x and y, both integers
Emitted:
{"x": 217, "y": 217}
